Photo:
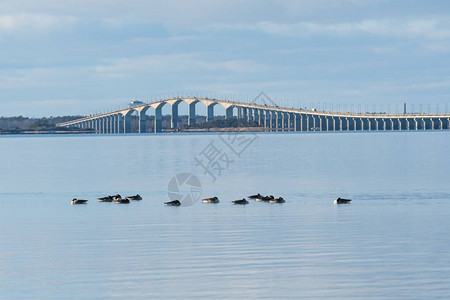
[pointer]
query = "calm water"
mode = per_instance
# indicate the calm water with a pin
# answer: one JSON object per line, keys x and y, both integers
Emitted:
{"x": 391, "y": 242}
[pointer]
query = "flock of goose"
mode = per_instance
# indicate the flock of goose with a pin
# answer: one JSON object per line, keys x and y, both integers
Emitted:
{"x": 116, "y": 198}
{"x": 243, "y": 201}
{"x": 258, "y": 197}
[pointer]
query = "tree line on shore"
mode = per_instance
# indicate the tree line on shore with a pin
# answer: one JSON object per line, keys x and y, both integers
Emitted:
{"x": 20, "y": 123}
{"x": 25, "y": 124}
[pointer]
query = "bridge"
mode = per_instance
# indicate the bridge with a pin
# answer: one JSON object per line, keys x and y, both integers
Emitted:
{"x": 271, "y": 117}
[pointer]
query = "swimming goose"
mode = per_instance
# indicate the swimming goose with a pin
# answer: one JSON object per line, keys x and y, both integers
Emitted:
{"x": 243, "y": 201}
{"x": 120, "y": 200}
{"x": 211, "y": 200}
{"x": 105, "y": 199}
{"x": 255, "y": 196}
{"x": 173, "y": 203}
{"x": 277, "y": 200}
{"x": 341, "y": 201}
{"x": 78, "y": 201}
{"x": 265, "y": 198}
{"x": 137, "y": 197}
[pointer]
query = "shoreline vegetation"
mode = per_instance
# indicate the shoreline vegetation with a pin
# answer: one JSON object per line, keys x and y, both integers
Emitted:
{"x": 24, "y": 125}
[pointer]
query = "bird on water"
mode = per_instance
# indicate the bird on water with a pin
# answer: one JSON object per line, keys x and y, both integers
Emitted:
{"x": 342, "y": 201}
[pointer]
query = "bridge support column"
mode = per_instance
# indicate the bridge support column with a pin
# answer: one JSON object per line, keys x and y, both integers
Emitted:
{"x": 174, "y": 117}
{"x": 120, "y": 123}
{"x": 114, "y": 123}
{"x": 191, "y": 117}
{"x": 142, "y": 122}
{"x": 250, "y": 114}
{"x": 95, "y": 125}
{"x": 304, "y": 121}
{"x": 127, "y": 124}
{"x": 289, "y": 120}
{"x": 297, "y": 122}
{"x": 258, "y": 116}
{"x": 105, "y": 125}
{"x": 100, "y": 125}
{"x": 210, "y": 113}
{"x": 432, "y": 124}
{"x": 269, "y": 118}
{"x": 244, "y": 113}
{"x": 229, "y": 113}
{"x": 239, "y": 112}
{"x": 110, "y": 124}
{"x": 277, "y": 120}
{"x": 158, "y": 119}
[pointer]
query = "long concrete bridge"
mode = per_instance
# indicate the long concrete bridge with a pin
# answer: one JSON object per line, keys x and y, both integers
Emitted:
{"x": 271, "y": 117}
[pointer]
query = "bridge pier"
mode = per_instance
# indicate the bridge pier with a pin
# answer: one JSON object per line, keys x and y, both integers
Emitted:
{"x": 210, "y": 112}
{"x": 158, "y": 119}
{"x": 258, "y": 116}
{"x": 120, "y": 122}
{"x": 192, "y": 117}
{"x": 229, "y": 113}
{"x": 174, "y": 116}
{"x": 328, "y": 123}
{"x": 142, "y": 121}
{"x": 297, "y": 122}
{"x": 249, "y": 115}
{"x": 105, "y": 125}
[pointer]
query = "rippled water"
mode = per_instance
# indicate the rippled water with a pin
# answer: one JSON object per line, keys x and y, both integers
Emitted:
{"x": 391, "y": 242}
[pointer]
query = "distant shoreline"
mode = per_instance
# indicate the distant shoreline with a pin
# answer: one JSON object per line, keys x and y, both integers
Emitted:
{"x": 23, "y": 132}
{"x": 194, "y": 130}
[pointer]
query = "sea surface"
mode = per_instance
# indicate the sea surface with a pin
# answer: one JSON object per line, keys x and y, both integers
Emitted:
{"x": 391, "y": 242}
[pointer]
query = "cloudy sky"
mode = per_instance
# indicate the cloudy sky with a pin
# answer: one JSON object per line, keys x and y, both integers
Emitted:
{"x": 79, "y": 57}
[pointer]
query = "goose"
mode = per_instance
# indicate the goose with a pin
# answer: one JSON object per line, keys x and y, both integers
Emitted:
{"x": 173, "y": 203}
{"x": 78, "y": 201}
{"x": 211, "y": 200}
{"x": 243, "y": 201}
{"x": 116, "y": 197}
{"x": 265, "y": 198}
{"x": 120, "y": 200}
{"x": 277, "y": 200}
{"x": 137, "y": 197}
{"x": 105, "y": 199}
{"x": 342, "y": 201}
{"x": 255, "y": 196}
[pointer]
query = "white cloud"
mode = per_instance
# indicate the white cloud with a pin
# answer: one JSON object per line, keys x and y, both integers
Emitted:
{"x": 33, "y": 22}
{"x": 438, "y": 29}
{"x": 170, "y": 63}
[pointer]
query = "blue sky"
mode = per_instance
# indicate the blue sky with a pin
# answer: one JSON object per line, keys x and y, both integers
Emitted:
{"x": 80, "y": 57}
